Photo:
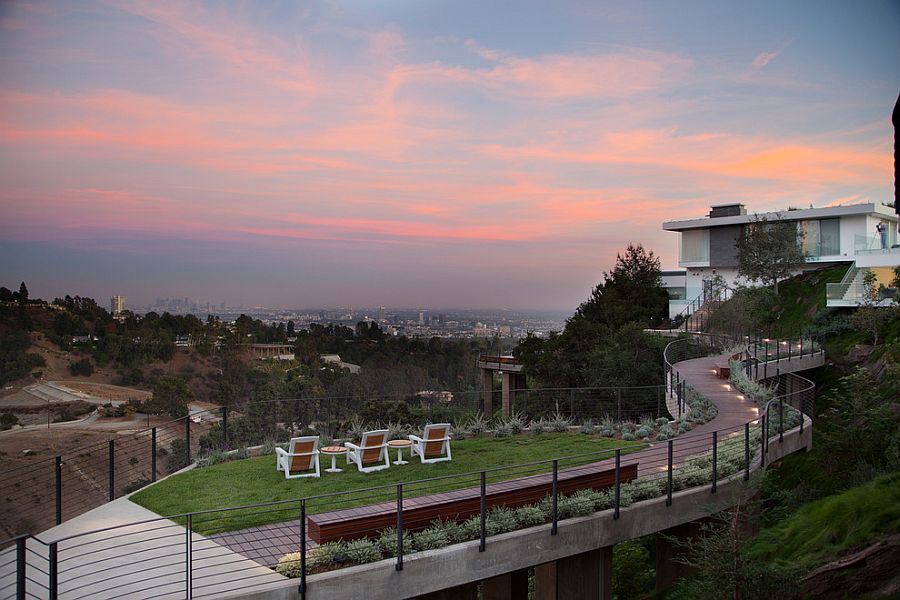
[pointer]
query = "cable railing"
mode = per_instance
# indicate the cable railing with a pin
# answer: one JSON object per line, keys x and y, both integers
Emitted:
{"x": 46, "y": 492}
{"x": 203, "y": 553}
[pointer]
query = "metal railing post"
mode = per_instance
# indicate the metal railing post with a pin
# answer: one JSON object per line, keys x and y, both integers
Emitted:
{"x": 53, "y": 560}
{"x": 58, "y": 490}
{"x": 303, "y": 549}
{"x": 188, "y": 565}
{"x": 553, "y": 508}
{"x": 482, "y": 512}
{"x": 747, "y": 451}
{"x": 780, "y": 421}
{"x": 187, "y": 436}
{"x": 153, "y": 454}
{"x": 618, "y": 483}
{"x": 764, "y": 429}
{"x": 225, "y": 425}
{"x": 112, "y": 470}
{"x": 669, "y": 482}
{"x": 20, "y": 568}
{"x": 399, "y": 565}
{"x": 802, "y": 411}
{"x": 715, "y": 460}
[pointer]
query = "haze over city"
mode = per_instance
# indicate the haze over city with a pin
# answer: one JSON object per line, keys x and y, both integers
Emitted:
{"x": 417, "y": 154}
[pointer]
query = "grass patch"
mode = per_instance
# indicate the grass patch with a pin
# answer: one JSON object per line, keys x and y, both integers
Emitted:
{"x": 819, "y": 531}
{"x": 255, "y": 480}
{"x": 803, "y": 296}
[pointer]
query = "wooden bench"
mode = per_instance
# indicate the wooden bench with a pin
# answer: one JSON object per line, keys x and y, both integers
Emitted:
{"x": 458, "y": 505}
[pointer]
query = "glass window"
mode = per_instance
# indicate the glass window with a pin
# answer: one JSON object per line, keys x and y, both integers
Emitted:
{"x": 695, "y": 245}
{"x": 829, "y": 237}
{"x": 810, "y": 230}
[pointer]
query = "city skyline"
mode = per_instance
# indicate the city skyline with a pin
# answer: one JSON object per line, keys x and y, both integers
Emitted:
{"x": 436, "y": 155}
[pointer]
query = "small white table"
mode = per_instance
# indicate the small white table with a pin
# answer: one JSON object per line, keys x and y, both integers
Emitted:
{"x": 333, "y": 451}
{"x": 399, "y": 445}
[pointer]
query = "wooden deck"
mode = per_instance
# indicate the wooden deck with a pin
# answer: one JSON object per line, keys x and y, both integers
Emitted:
{"x": 458, "y": 505}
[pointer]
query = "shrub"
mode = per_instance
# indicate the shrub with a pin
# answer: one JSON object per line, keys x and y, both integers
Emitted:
{"x": 82, "y": 367}
{"x": 587, "y": 427}
{"x": 529, "y": 516}
{"x": 607, "y": 432}
{"x": 642, "y": 433}
{"x": 239, "y": 454}
{"x": 7, "y": 421}
{"x": 500, "y": 520}
{"x": 540, "y": 426}
{"x": 387, "y": 542}
{"x": 662, "y": 421}
{"x": 502, "y": 430}
{"x": 213, "y": 457}
{"x": 431, "y": 538}
{"x": 628, "y": 437}
{"x": 516, "y": 422}
{"x": 559, "y": 422}
{"x": 647, "y": 488}
{"x": 289, "y": 565}
{"x": 268, "y": 448}
{"x": 362, "y": 551}
{"x": 178, "y": 457}
{"x": 356, "y": 427}
{"x": 579, "y": 504}
{"x": 324, "y": 554}
{"x": 470, "y": 529}
{"x": 477, "y": 424}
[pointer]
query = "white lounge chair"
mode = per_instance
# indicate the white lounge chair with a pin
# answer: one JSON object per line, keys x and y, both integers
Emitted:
{"x": 434, "y": 445}
{"x": 370, "y": 453}
{"x": 302, "y": 455}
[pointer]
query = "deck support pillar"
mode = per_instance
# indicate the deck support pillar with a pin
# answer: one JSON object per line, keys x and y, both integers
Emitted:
{"x": 468, "y": 591}
{"x": 585, "y": 576}
{"x": 668, "y": 569}
{"x": 513, "y": 383}
{"x": 487, "y": 398}
{"x": 509, "y": 586}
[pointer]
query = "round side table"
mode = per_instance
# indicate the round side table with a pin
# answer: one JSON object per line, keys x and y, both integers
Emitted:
{"x": 333, "y": 452}
{"x": 399, "y": 445}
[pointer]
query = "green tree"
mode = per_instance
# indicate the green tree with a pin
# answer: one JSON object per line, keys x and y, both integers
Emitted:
{"x": 23, "y": 293}
{"x": 769, "y": 251}
{"x": 171, "y": 396}
{"x": 603, "y": 340}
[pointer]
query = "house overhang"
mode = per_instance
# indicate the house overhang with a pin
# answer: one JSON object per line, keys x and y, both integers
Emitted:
{"x": 787, "y": 215}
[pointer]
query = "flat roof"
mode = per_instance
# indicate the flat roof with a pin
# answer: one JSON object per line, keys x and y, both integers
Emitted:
{"x": 787, "y": 215}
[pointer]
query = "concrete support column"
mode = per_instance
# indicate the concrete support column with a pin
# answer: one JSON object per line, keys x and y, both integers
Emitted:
{"x": 511, "y": 586}
{"x": 586, "y": 576}
{"x": 508, "y": 385}
{"x": 487, "y": 398}
{"x": 468, "y": 591}
{"x": 668, "y": 569}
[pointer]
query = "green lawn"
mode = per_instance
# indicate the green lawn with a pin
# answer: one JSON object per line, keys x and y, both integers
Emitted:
{"x": 255, "y": 480}
{"x": 822, "y": 530}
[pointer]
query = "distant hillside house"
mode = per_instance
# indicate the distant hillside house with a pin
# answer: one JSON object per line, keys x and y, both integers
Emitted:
{"x": 335, "y": 360}
{"x": 832, "y": 236}
{"x": 272, "y": 351}
{"x": 431, "y": 396}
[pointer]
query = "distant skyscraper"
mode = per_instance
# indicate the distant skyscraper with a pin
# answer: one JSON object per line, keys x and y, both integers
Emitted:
{"x": 381, "y": 314}
{"x": 117, "y": 305}
{"x": 421, "y": 317}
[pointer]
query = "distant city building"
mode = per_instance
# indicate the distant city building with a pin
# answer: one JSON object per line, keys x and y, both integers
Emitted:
{"x": 117, "y": 305}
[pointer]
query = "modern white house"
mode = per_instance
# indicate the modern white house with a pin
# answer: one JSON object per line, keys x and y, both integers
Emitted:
{"x": 833, "y": 235}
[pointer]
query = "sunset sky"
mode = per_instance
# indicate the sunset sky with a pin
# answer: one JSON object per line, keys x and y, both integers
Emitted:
{"x": 417, "y": 153}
